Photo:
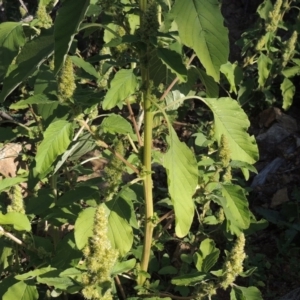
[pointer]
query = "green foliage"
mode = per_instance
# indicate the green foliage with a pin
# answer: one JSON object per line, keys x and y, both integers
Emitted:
{"x": 271, "y": 53}
{"x": 80, "y": 226}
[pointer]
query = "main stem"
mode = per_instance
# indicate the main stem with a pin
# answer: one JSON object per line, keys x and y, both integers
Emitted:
{"x": 148, "y": 119}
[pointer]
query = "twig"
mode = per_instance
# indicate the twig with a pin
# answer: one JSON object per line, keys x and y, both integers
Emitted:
{"x": 10, "y": 236}
{"x": 175, "y": 80}
{"x": 24, "y": 6}
{"x": 167, "y": 215}
{"x": 134, "y": 124}
{"x": 120, "y": 287}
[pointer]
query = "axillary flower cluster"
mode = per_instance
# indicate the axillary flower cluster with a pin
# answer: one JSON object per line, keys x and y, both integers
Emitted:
{"x": 233, "y": 265}
{"x": 100, "y": 259}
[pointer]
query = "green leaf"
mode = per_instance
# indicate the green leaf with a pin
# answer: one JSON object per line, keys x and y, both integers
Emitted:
{"x": 200, "y": 26}
{"x": 87, "y": 67}
{"x": 34, "y": 273}
{"x": 206, "y": 256}
{"x": 291, "y": 72}
{"x": 52, "y": 278}
{"x": 288, "y": 91}
{"x": 173, "y": 96}
{"x": 83, "y": 228}
{"x": 46, "y": 82}
{"x": 31, "y": 56}
{"x": 264, "y": 9}
{"x": 158, "y": 72}
{"x": 182, "y": 173}
{"x": 11, "y": 39}
{"x": 119, "y": 230}
{"x": 5, "y": 253}
{"x": 235, "y": 207}
{"x": 245, "y": 293}
{"x": 7, "y": 134}
{"x": 36, "y": 99}
{"x": 9, "y": 182}
{"x": 21, "y": 291}
{"x": 57, "y": 138}
{"x": 264, "y": 64}
{"x": 231, "y": 121}
{"x": 212, "y": 88}
{"x": 189, "y": 279}
{"x": 116, "y": 124}
{"x": 79, "y": 193}
{"x": 168, "y": 270}
{"x": 66, "y": 25}
{"x": 124, "y": 266}
{"x": 174, "y": 63}
{"x": 19, "y": 221}
{"x": 122, "y": 86}
{"x": 233, "y": 74}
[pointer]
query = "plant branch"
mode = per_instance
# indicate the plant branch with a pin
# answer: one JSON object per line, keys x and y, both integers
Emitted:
{"x": 175, "y": 80}
{"x": 120, "y": 287}
{"x": 10, "y": 236}
{"x": 104, "y": 145}
{"x": 136, "y": 129}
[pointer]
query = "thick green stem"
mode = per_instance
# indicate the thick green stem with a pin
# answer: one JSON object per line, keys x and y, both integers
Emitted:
{"x": 148, "y": 120}
{"x": 148, "y": 231}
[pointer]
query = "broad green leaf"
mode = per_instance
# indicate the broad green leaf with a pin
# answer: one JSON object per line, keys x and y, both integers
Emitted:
{"x": 9, "y": 182}
{"x": 119, "y": 230}
{"x": 173, "y": 96}
{"x": 34, "y": 273}
{"x": 235, "y": 207}
{"x": 66, "y": 25}
{"x": 168, "y": 270}
{"x": 77, "y": 149}
{"x": 245, "y": 293}
{"x": 46, "y": 82}
{"x": 124, "y": 266}
{"x": 207, "y": 255}
{"x": 211, "y": 87}
{"x": 84, "y": 227}
{"x": 40, "y": 203}
{"x": 110, "y": 33}
{"x": 5, "y": 253}
{"x": 36, "y": 99}
{"x": 52, "y": 278}
{"x": 30, "y": 57}
{"x": 66, "y": 253}
{"x": 19, "y": 221}
{"x": 291, "y": 72}
{"x": 79, "y": 193}
{"x": 288, "y": 91}
{"x": 173, "y": 61}
{"x": 189, "y": 279}
{"x": 233, "y": 73}
{"x": 200, "y": 26}
{"x": 230, "y": 120}
{"x": 264, "y": 64}
{"x": 57, "y": 138}
{"x": 87, "y": 67}
{"x": 158, "y": 71}
{"x": 7, "y": 134}
{"x": 21, "y": 291}
{"x": 122, "y": 86}
{"x": 182, "y": 173}
{"x": 11, "y": 39}
{"x": 264, "y": 9}
{"x": 116, "y": 124}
